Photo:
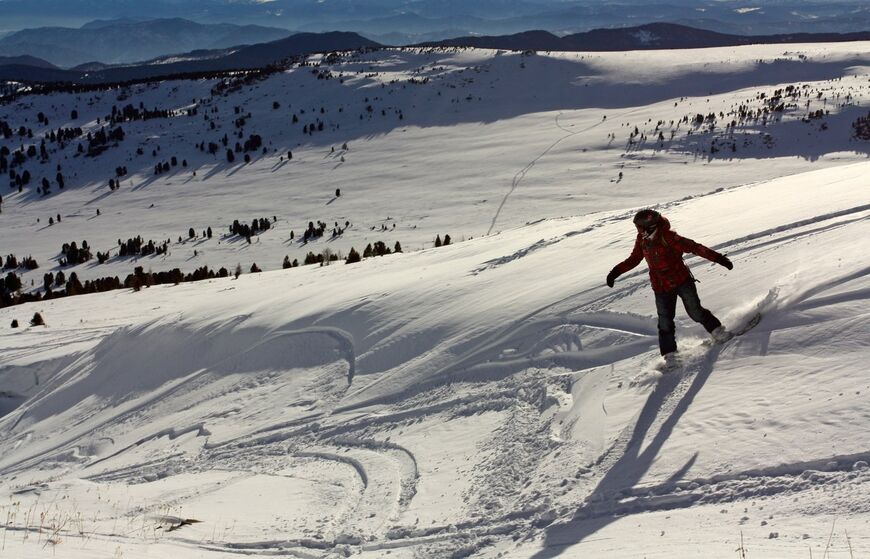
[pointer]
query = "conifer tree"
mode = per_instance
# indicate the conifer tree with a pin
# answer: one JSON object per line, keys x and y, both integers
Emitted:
{"x": 37, "y": 320}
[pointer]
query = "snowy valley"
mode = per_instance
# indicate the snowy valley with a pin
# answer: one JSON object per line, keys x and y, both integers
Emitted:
{"x": 490, "y": 397}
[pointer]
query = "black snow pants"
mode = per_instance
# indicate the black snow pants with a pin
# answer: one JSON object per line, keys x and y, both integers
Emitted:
{"x": 666, "y": 305}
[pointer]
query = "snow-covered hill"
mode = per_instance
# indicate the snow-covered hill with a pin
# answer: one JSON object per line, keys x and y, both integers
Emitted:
{"x": 491, "y": 140}
{"x": 489, "y": 398}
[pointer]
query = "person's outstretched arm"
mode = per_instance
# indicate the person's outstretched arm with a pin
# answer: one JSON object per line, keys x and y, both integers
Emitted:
{"x": 684, "y": 244}
{"x": 633, "y": 260}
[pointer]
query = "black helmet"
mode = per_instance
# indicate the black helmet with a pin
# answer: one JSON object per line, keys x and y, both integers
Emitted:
{"x": 647, "y": 220}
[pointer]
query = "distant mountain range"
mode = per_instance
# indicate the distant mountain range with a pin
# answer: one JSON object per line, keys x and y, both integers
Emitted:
{"x": 411, "y": 21}
{"x": 126, "y": 41}
{"x": 237, "y": 58}
{"x": 25, "y": 60}
{"x": 644, "y": 37}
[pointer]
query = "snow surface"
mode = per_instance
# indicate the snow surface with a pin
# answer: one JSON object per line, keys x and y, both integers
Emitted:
{"x": 492, "y": 398}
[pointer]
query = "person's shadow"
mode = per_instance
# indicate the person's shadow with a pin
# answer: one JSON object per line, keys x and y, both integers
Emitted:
{"x": 601, "y": 508}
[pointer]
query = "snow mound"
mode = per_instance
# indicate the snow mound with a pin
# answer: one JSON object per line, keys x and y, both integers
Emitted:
{"x": 162, "y": 374}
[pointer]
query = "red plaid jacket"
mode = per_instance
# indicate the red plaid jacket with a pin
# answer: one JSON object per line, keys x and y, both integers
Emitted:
{"x": 664, "y": 255}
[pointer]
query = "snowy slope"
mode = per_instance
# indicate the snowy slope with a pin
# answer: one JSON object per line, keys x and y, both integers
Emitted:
{"x": 489, "y": 398}
{"x": 491, "y": 141}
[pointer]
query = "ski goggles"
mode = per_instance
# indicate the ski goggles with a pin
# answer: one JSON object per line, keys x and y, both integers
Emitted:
{"x": 647, "y": 221}
{"x": 648, "y": 233}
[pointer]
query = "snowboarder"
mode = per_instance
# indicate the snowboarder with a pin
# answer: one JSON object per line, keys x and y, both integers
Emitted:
{"x": 663, "y": 250}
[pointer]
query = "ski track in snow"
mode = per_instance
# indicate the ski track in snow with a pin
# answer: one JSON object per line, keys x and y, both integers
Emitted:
{"x": 528, "y": 434}
{"x": 389, "y": 473}
{"x": 521, "y": 174}
{"x": 617, "y": 471}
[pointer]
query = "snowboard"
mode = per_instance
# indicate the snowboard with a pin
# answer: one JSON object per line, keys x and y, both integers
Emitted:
{"x": 745, "y": 327}
{"x": 741, "y": 329}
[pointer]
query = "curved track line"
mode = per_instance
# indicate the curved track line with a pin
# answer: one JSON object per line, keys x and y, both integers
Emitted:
{"x": 518, "y": 178}
{"x": 343, "y": 339}
{"x": 353, "y": 462}
{"x": 490, "y": 344}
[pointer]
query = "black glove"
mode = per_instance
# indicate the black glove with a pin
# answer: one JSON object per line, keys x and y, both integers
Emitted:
{"x": 611, "y": 277}
{"x": 723, "y": 261}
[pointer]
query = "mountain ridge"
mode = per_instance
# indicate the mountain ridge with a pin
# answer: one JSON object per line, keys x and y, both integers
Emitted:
{"x": 642, "y": 37}
{"x": 242, "y": 57}
{"x": 124, "y": 41}
{"x": 260, "y": 55}
{"x": 26, "y": 60}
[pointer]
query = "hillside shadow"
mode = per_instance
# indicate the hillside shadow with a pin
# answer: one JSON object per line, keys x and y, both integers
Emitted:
{"x": 236, "y": 169}
{"x": 151, "y": 179}
{"x": 135, "y": 370}
{"x": 574, "y": 84}
{"x": 597, "y": 512}
{"x": 231, "y": 168}
{"x": 99, "y": 197}
{"x": 545, "y": 84}
{"x": 789, "y": 138}
{"x": 504, "y": 87}
{"x": 29, "y": 194}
